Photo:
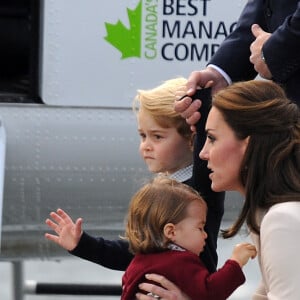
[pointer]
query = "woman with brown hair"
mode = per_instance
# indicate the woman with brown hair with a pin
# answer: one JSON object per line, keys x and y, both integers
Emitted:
{"x": 253, "y": 147}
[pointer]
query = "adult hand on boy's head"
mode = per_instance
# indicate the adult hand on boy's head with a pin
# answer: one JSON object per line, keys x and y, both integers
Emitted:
{"x": 209, "y": 77}
{"x": 187, "y": 108}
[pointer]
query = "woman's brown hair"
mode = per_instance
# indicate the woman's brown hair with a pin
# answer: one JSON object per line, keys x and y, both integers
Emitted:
{"x": 260, "y": 110}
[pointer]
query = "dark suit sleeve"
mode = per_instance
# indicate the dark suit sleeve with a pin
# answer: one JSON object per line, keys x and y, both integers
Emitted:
{"x": 202, "y": 183}
{"x": 110, "y": 254}
{"x": 234, "y": 52}
{"x": 282, "y": 49}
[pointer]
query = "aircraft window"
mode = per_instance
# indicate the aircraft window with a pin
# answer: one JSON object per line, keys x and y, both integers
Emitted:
{"x": 19, "y": 38}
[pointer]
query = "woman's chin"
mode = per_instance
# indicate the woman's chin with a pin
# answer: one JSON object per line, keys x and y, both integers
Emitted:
{"x": 216, "y": 188}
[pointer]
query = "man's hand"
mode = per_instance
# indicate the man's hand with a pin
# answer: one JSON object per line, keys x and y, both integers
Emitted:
{"x": 256, "y": 59}
{"x": 208, "y": 77}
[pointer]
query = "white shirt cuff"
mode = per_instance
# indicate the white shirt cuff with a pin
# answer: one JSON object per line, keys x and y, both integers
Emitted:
{"x": 222, "y": 72}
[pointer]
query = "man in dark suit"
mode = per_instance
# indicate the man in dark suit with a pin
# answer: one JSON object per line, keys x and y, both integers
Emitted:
{"x": 266, "y": 41}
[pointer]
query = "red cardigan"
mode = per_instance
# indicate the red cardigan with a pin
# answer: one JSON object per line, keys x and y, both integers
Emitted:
{"x": 185, "y": 270}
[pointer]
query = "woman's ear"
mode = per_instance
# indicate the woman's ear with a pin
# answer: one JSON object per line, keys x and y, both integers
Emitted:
{"x": 192, "y": 141}
{"x": 169, "y": 231}
{"x": 247, "y": 139}
{"x": 246, "y": 143}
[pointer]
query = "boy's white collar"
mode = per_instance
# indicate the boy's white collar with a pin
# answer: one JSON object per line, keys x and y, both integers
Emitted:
{"x": 183, "y": 174}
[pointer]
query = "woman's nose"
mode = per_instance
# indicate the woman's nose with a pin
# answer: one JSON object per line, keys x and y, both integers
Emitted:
{"x": 204, "y": 153}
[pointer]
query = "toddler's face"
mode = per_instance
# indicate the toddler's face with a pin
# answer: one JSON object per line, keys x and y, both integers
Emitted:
{"x": 190, "y": 233}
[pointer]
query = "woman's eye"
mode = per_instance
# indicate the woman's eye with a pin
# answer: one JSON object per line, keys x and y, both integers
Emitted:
{"x": 211, "y": 138}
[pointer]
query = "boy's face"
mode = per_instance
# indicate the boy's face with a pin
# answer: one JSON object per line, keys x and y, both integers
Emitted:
{"x": 163, "y": 149}
{"x": 189, "y": 233}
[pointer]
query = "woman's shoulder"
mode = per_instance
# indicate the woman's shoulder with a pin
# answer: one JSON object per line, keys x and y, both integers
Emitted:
{"x": 285, "y": 208}
{"x": 282, "y": 214}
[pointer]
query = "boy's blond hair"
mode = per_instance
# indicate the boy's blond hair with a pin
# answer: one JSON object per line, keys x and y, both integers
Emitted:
{"x": 159, "y": 103}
